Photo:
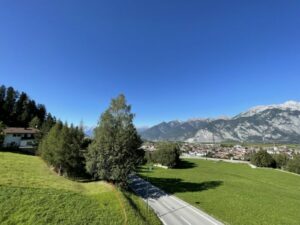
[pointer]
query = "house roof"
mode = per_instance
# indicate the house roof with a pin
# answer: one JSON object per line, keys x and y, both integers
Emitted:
{"x": 20, "y": 130}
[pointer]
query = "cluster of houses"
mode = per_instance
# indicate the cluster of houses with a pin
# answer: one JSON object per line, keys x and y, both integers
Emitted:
{"x": 236, "y": 152}
{"x": 149, "y": 146}
{"x": 232, "y": 152}
{"x": 283, "y": 149}
{"x": 19, "y": 137}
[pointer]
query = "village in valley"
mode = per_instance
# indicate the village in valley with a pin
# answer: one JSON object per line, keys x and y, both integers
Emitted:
{"x": 237, "y": 151}
{"x": 150, "y": 112}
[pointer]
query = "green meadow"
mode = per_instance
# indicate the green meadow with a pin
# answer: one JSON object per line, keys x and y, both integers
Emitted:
{"x": 30, "y": 193}
{"x": 233, "y": 193}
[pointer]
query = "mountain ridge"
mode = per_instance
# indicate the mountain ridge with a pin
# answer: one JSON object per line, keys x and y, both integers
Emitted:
{"x": 269, "y": 123}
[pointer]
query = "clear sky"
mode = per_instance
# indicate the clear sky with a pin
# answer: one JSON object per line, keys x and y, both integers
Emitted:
{"x": 172, "y": 59}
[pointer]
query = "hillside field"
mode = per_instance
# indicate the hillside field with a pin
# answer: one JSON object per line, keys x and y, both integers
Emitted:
{"x": 233, "y": 193}
{"x": 30, "y": 193}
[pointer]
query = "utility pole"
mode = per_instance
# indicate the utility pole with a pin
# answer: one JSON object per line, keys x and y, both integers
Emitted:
{"x": 213, "y": 139}
{"x": 147, "y": 188}
{"x": 147, "y": 194}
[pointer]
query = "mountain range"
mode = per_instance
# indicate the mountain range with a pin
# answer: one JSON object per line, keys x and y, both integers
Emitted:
{"x": 272, "y": 123}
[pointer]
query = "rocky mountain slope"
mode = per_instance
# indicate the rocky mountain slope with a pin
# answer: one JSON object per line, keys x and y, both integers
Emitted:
{"x": 272, "y": 123}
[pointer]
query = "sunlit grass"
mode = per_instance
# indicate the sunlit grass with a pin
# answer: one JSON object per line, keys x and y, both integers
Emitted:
{"x": 234, "y": 193}
{"x": 30, "y": 193}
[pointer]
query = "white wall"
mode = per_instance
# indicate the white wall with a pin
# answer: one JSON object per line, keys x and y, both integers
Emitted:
{"x": 9, "y": 138}
{"x": 17, "y": 140}
{"x": 26, "y": 143}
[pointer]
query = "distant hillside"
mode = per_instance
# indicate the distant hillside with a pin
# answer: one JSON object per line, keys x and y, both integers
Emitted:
{"x": 142, "y": 129}
{"x": 273, "y": 123}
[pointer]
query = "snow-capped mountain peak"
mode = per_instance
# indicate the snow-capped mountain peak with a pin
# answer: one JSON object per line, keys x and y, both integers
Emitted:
{"x": 270, "y": 123}
{"x": 291, "y": 105}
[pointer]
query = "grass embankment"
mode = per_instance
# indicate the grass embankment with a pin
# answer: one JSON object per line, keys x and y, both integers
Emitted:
{"x": 234, "y": 193}
{"x": 30, "y": 193}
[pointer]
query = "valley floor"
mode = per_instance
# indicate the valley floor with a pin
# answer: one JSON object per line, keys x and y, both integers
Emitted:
{"x": 233, "y": 193}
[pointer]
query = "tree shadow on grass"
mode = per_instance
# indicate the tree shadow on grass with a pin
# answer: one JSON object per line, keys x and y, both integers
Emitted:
{"x": 183, "y": 164}
{"x": 159, "y": 187}
{"x": 22, "y": 151}
{"x": 173, "y": 186}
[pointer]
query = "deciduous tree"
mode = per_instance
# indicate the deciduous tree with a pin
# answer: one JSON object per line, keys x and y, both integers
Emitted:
{"x": 167, "y": 154}
{"x": 281, "y": 160}
{"x": 294, "y": 164}
{"x": 263, "y": 159}
{"x": 115, "y": 151}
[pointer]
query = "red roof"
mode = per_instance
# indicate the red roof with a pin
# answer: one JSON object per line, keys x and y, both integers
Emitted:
{"x": 20, "y": 130}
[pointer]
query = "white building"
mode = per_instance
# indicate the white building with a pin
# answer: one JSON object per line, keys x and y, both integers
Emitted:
{"x": 19, "y": 137}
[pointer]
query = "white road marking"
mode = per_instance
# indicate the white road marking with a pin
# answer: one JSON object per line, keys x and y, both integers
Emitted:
{"x": 180, "y": 202}
{"x": 185, "y": 220}
{"x": 166, "y": 205}
{"x": 205, "y": 217}
{"x": 192, "y": 208}
{"x": 164, "y": 223}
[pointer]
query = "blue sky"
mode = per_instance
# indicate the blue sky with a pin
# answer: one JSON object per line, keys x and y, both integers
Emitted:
{"x": 172, "y": 59}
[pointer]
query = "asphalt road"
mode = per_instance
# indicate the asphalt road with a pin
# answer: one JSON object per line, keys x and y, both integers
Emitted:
{"x": 170, "y": 209}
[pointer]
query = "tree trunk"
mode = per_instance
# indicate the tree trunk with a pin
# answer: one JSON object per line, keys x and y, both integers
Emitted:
{"x": 59, "y": 170}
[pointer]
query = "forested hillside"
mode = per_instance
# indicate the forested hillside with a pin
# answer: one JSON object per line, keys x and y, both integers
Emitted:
{"x": 17, "y": 109}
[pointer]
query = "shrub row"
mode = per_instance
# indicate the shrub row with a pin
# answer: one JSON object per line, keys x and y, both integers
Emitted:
{"x": 282, "y": 161}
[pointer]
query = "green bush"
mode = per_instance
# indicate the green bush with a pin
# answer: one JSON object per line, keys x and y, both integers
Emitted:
{"x": 281, "y": 160}
{"x": 294, "y": 164}
{"x": 263, "y": 159}
{"x": 167, "y": 154}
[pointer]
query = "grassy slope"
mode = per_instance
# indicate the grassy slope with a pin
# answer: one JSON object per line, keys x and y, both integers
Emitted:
{"x": 234, "y": 193}
{"x": 30, "y": 193}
